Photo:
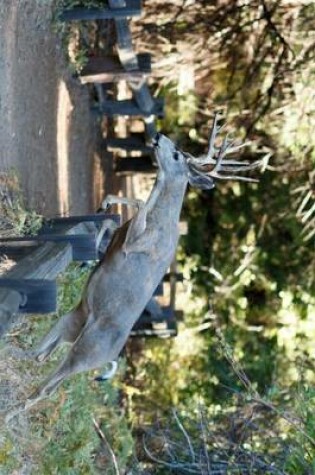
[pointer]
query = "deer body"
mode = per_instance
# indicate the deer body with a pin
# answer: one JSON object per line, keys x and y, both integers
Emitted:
{"x": 124, "y": 281}
{"x": 132, "y": 267}
{"x": 134, "y": 263}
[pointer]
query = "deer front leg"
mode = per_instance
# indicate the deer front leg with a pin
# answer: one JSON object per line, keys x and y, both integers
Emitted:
{"x": 109, "y": 201}
{"x": 137, "y": 224}
{"x": 107, "y": 225}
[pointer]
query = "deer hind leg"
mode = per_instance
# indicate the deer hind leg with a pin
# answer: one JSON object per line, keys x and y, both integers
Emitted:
{"x": 49, "y": 386}
{"x": 108, "y": 374}
{"x": 94, "y": 347}
{"x": 67, "y": 329}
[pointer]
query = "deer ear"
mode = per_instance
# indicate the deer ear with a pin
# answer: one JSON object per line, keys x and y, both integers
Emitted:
{"x": 201, "y": 181}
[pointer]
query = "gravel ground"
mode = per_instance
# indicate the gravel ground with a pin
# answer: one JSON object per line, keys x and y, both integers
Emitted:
{"x": 46, "y": 131}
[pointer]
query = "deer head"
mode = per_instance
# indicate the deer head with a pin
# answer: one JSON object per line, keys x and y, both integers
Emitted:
{"x": 201, "y": 172}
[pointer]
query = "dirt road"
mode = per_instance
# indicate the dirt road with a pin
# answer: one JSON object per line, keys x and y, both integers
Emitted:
{"x": 46, "y": 131}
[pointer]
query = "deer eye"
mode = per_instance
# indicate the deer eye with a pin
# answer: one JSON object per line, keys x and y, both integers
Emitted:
{"x": 176, "y": 155}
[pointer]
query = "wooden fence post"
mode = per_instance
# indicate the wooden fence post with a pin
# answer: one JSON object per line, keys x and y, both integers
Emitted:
{"x": 129, "y": 60}
{"x": 129, "y": 8}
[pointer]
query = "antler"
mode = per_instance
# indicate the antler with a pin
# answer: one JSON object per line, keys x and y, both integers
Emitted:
{"x": 216, "y": 156}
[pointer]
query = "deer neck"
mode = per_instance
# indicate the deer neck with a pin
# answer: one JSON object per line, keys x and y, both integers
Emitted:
{"x": 167, "y": 193}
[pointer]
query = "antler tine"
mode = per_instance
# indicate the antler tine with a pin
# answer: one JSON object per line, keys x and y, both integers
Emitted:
{"x": 233, "y": 177}
{"x": 243, "y": 166}
{"x": 215, "y": 129}
{"x": 222, "y": 168}
{"x": 231, "y": 165}
{"x": 234, "y": 148}
{"x": 209, "y": 158}
{"x": 222, "y": 151}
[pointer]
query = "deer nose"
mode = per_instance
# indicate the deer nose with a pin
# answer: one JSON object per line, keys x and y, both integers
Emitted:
{"x": 156, "y": 139}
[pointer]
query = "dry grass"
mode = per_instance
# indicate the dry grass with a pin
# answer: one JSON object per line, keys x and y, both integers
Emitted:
{"x": 15, "y": 219}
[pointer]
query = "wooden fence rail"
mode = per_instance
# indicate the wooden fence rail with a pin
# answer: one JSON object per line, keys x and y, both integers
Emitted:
{"x": 129, "y": 60}
{"x": 44, "y": 263}
{"x": 118, "y": 9}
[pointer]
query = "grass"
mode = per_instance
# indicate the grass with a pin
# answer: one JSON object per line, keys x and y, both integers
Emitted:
{"x": 15, "y": 218}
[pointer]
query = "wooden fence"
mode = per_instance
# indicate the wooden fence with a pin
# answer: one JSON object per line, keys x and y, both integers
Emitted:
{"x": 30, "y": 286}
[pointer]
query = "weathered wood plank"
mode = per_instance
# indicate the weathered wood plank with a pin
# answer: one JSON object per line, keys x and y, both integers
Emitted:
{"x": 86, "y": 218}
{"x": 110, "y": 77}
{"x": 146, "y": 327}
{"x": 129, "y": 108}
{"x": 83, "y": 245}
{"x": 109, "y": 69}
{"x": 129, "y": 144}
{"x": 131, "y": 8}
{"x": 39, "y": 295}
{"x": 127, "y": 166}
{"x": 45, "y": 262}
{"x": 15, "y": 252}
{"x": 112, "y": 63}
{"x": 119, "y": 3}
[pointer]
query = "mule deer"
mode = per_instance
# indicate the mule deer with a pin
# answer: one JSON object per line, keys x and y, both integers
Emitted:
{"x": 135, "y": 262}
